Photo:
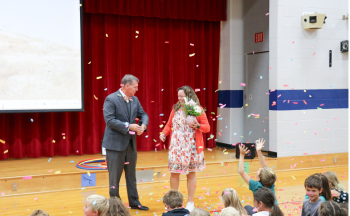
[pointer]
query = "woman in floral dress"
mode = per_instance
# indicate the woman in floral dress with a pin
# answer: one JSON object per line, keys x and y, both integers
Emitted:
{"x": 186, "y": 154}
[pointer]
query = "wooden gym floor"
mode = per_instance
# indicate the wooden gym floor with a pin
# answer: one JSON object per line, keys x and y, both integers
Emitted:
{"x": 62, "y": 197}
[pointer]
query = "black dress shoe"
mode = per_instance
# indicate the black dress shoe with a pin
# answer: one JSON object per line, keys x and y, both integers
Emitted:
{"x": 140, "y": 207}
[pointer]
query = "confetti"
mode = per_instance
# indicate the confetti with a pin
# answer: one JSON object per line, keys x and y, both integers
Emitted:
{"x": 49, "y": 160}
{"x": 126, "y": 163}
{"x": 137, "y": 32}
{"x": 242, "y": 84}
{"x": 58, "y": 172}
{"x": 27, "y": 177}
{"x": 322, "y": 160}
{"x": 6, "y": 151}
{"x": 261, "y": 77}
{"x": 313, "y": 54}
{"x": 106, "y": 35}
{"x": 197, "y": 90}
{"x": 293, "y": 177}
{"x": 166, "y": 41}
{"x": 105, "y": 89}
{"x": 2, "y": 141}
{"x": 191, "y": 44}
{"x": 88, "y": 173}
{"x": 95, "y": 97}
{"x": 132, "y": 132}
{"x": 89, "y": 62}
{"x": 267, "y": 14}
{"x": 71, "y": 161}
{"x": 53, "y": 141}
{"x": 31, "y": 120}
{"x": 36, "y": 199}
{"x": 285, "y": 85}
{"x": 192, "y": 54}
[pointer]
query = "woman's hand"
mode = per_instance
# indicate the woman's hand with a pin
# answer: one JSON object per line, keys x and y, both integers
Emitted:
{"x": 194, "y": 125}
{"x": 162, "y": 137}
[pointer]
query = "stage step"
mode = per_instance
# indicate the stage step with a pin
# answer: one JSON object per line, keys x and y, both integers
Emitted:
{"x": 220, "y": 165}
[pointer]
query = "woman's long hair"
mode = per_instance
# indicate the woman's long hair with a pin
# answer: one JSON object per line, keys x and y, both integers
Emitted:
{"x": 229, "y": 198}
{"x": 266, "y": 196}
{"x": 117, "y": 208}
{"x": 189, "y": 93}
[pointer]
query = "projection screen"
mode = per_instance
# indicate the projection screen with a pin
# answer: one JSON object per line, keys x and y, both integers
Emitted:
{"x": 41, "y": 57}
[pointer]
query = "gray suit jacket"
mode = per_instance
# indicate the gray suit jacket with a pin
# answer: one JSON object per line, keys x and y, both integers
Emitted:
{"x": 115, "y": 113}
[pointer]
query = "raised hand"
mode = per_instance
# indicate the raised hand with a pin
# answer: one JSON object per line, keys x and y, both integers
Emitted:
{"x": 243, "y": 150}
{"x": 259, "y": 144}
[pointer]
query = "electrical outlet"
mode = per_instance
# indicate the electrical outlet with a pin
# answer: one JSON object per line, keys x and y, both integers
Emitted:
{"x": 335, "y": 160}
{"x": 159, "y": 174}
{"x": 14, "y": 186}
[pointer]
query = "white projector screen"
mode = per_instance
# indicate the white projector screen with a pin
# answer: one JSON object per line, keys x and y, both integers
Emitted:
{"x": 41, "y": 56}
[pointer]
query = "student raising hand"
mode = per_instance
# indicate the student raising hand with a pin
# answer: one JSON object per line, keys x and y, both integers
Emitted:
{"x": 243, "y": 150}
{"x": 259, "y": 144}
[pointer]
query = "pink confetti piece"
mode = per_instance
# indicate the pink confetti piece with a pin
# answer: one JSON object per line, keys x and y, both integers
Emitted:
{"x": 166, "y": 41}
{"x": 285, "y": 85}
{"x": 166, "y": 187}
{"x": 295, "y": 102}
{"x": 322, "y": 160}
{"x": 316, "y": 132}
{"x": 224, "y": 171}
{"x": 3, "y": 194}
{"x": 336, "y": 118}
{"x": 126, "y": 163}
{"x": 279, "y": 95}
{"x": 36, "y": 199}
{"x": 293, "y": 42}
{"x": 226, "y": 192}
{"x": 315, "y": 152}
{"x": 50, "y": 170}
{"x": 63, "y": 134}
{"x": 306, "y": 153}
{"x": 327, "y": 128}
{"x": 121, "y": 85}
{"x": 219, "y": 133}
{"x": 273, "y": 103}
{"x": 113, "y": 187}
{"x": 321, "y": 104}
{"x": 242, "y": 84}
{"x": 267, "y": 14}
{"x": 209, "y": 149}
{"x": 197, "y": 65}
{"x": 222, "y": 106}
{"x": 191, "y": 44}
{"x": 313, "y": 54}
{"x": 132, "y": 132}
{"x": 197, "y": 90}
{"x": 27, "y": 177}
{"x": 164, "y": 175}
{"x": 304, "y": 102}
{"x": 253, "y": 53}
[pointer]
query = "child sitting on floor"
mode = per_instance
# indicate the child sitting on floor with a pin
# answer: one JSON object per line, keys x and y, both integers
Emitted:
{"x": 265, "y": 176}
{"x": 230, "y": 199}
{"x": 117, "y": 208}
{"x": 264, "y": 203}
{"x": 339, "y": 195}
{"x": 39, "y": 212}
{"x": 95, "y": 205}
{"x": 326, "y": 191}
{"x": 313, "y": 187}
{"x": 331, "y": 208}
{"x": 199, "y": 212}
{"x": 173, "y": 201}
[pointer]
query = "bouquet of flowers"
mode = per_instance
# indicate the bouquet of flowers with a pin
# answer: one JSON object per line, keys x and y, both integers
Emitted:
{"x": 192, "y": 110}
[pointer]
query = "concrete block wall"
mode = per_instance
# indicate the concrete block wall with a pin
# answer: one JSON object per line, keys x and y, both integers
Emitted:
{"x": 231, "y": 73}
{"x": 311, "y": 111}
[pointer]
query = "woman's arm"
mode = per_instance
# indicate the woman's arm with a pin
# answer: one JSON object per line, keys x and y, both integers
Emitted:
{"x": 203, "y": 121}
{"x": 167, "y": 128}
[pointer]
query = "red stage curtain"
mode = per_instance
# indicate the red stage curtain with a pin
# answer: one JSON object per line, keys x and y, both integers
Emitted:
{"x": 161, "y": 67}
{"x": 204, "y": 10}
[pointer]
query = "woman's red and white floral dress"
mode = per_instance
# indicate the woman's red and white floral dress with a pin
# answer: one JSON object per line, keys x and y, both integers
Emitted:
{"x": 183, "y": 157}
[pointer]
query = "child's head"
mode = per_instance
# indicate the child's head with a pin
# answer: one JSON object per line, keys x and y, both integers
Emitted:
{"x": 313, "y": 187}
{"x": 266, "y": 176}
{"x": 264, "y": 200}
{"x": 229, "y": 198}
{"x": 117, "y": 207}
{"x": 326, "y": 191}
{"x": 173, "y": 199}
{"x": 331, "y": 208}
{"x": 333, "y": 180}
{"x": 199, "y": 212}
{"x": 230, "y": 211}
{"x": 39, "y": 212}
{"x": 96, "y": 205}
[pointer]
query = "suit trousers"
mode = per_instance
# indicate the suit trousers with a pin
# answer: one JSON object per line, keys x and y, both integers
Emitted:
{"x": 116, "y": 164}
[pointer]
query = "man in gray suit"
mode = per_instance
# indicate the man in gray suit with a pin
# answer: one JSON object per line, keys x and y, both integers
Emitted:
{"x": 120, "y": 110}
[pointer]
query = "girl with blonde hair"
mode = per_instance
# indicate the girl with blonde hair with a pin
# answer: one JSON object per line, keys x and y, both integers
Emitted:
{"x": 95, "y": 205}
{"x": 339, "y": 195}
{"x": 229, "y": 198}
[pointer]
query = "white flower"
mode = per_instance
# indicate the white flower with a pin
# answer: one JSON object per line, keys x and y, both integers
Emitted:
{"x": 192, "y": 102}
{"x": 197, "y": 109}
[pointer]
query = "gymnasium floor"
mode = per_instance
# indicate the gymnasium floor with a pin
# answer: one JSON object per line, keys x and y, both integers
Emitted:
{"x": 289, "y": 189}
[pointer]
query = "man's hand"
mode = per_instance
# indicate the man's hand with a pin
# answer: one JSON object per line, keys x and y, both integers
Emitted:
{"x": 259, "y": 144}
{"x": 162, "y": 137}
{"x": 243, "y": 150}
{"x": 141, "y": 130}
{"x": 135, "y": 127}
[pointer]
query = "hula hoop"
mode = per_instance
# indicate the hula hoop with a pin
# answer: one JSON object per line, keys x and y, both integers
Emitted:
{"x": 84, "y": 164}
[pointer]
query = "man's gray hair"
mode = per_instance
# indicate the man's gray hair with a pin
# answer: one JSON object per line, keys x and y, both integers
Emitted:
{"x": 129, "y": 79}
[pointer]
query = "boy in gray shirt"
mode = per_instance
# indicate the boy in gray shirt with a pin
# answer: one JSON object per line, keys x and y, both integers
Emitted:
{"x": 313, "y": 187}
